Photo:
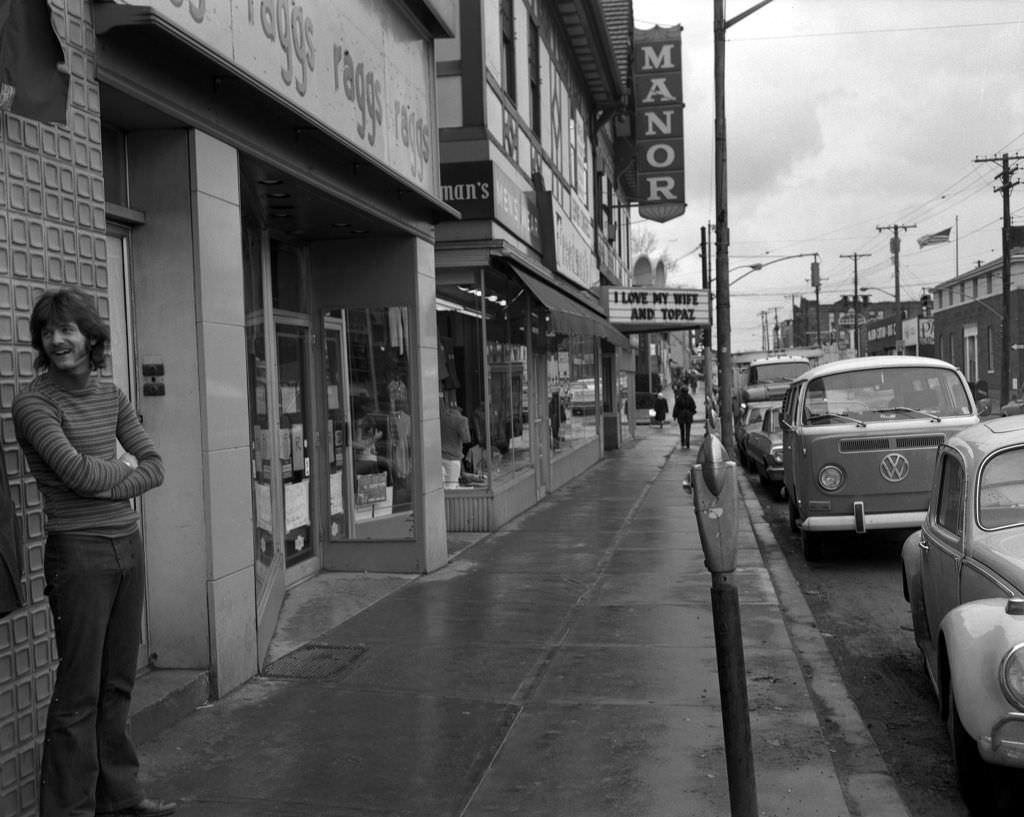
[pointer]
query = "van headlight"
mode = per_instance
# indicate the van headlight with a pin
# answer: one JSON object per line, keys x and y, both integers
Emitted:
{"x": 1011, "y": 676}
{"x": 831, "y": 478}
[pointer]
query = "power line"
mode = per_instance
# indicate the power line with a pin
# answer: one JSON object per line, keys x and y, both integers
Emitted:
{"x": 861, "y": 32}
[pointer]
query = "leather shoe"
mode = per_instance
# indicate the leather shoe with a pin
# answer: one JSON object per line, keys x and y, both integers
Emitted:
{"x": 144, "y": 808}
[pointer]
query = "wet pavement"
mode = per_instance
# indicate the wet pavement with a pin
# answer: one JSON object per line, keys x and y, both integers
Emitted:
{"x": 562, "y": 666}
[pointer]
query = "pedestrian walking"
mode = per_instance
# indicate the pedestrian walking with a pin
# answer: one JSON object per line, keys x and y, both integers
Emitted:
{"x": 660, "y": 409}
{"x": 683, "y": 412}
{"x": 69, "y": 421}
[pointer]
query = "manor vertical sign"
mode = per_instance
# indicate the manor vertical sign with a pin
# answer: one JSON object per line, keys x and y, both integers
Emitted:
{"x": 658, "y": 91}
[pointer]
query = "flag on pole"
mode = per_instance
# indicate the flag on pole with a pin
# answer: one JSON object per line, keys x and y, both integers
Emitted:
{"x": 941, "y": 237}
{"x": 33, "y": 71}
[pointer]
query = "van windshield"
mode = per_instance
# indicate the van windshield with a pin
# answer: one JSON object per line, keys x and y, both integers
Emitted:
{"x": 886, "y": 395}
{"x": 777, "y": 372}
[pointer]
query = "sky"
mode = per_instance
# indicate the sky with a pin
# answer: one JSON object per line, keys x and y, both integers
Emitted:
{"x": 843, "y": 116}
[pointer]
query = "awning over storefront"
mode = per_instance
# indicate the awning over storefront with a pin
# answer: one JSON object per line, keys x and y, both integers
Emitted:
{"x": 569, "y": 316}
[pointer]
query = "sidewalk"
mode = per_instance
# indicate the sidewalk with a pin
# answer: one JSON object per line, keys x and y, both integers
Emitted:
{"x": 562, "y": 666}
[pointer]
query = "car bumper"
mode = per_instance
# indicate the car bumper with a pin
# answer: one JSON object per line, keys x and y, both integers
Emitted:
{"x": 1005, "y": 745}
{"x": 852, "y": 522}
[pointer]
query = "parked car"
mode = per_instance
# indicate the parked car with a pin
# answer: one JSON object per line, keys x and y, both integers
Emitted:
{"x": 751, "y": 419}
{"x": 859, "y": 439}
{"x": 764, "y": 451}
{"x": 963, "y": 574}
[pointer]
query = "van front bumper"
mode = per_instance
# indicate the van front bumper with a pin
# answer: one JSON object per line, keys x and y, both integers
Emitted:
{"x": 864, "y": 522}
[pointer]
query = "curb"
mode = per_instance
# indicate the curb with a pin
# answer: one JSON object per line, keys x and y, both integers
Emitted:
{"x": 867, "y": 785}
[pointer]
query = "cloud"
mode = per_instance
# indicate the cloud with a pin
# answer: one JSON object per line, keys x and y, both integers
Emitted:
{"x": 842, "y": 117}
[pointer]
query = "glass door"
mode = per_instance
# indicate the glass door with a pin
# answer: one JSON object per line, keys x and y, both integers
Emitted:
{"x": 295, "y": 423}
{"x": 338, "y": 425}
{"x": 122, "y": 351}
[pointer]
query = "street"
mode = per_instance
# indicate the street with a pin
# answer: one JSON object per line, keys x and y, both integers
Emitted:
{"x": 855, "y": 595}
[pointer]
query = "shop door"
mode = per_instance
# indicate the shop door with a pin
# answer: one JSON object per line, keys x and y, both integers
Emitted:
{"x": 337, "y": 453}
{"x": 296, "y": 431}
{"x": 122, "y": 349}
{"x": 285, "y": 422}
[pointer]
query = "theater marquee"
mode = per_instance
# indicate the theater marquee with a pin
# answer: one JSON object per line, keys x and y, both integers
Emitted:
{"x": 647, "y": 309}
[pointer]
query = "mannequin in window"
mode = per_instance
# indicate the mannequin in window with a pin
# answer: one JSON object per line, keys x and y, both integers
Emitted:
{"x": 454, "y": 434}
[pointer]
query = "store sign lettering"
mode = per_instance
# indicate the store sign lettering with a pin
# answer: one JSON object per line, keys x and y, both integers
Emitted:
{"x": 197, "y": 8}
{"x": 658, "y": 90}
{"x": 359, "y": 69}
{"x": 362, "y": 88}
{"x": 287, "y": 23}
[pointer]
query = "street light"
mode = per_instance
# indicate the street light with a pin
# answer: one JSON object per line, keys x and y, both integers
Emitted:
{"x": 762, "y": 264}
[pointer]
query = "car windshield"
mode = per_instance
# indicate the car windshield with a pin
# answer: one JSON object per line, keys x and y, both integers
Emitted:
{"x": 885, "y": 395}
{"x": 1001, "y": 490}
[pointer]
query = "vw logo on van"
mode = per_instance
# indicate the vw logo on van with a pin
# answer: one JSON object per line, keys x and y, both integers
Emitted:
{"x": 894, "y": 467}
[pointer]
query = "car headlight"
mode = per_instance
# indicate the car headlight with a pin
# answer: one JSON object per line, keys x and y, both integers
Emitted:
{"x": 777, "y": 455}
{"x": 831, "y": 478}
{"x": 1011, "y": 676}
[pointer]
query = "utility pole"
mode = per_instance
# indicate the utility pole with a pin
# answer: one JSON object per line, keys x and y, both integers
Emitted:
{"x": 1005, "y": 177}
{"x": 726, "y": 404}
{"x": 894, "y": 248}
{"x": 816, "y": 286}
{"x": 856, "y": 300}
{"x": 705, "y": 277}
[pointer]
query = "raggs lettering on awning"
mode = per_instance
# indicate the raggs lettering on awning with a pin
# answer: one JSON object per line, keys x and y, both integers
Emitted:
{"x": 658, "y": 89}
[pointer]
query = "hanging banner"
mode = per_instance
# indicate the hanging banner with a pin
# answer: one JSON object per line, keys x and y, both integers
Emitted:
{"x": 658, "y": 91}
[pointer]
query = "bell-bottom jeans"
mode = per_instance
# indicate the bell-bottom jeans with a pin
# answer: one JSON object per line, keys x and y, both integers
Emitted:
{"x": 95, "y": 587}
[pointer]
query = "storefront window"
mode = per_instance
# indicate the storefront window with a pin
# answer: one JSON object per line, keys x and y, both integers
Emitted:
{"x": 572, "y": 378}
{"x": 483, "y": 371}
{"x": 381, "y": 412}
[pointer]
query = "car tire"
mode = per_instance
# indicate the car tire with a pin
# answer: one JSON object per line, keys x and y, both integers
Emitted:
{"x": 987, "y": 790}
{"x": 812, "y": 544}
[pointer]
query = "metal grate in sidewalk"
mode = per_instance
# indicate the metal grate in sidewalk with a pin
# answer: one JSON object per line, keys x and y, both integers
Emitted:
{"x": 314, "y": 662}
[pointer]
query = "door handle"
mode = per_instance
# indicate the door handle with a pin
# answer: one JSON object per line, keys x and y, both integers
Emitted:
{"x": 923, "y": 543}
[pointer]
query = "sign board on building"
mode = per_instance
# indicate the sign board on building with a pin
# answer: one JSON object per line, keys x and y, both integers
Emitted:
{"x": 650, "y": 309}
{"x": 484, "y": 190}
{"x": 658, "y": 91}
{"x": 362, "y": 71}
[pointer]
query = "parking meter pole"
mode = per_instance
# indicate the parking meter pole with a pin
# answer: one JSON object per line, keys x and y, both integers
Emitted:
{"x": 739, "y": 757}
{"x": 715, "y": 496}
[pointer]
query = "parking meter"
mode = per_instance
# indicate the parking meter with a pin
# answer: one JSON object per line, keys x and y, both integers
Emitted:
{"x": 712, "y": 481}
{"x": 715, "y": 498}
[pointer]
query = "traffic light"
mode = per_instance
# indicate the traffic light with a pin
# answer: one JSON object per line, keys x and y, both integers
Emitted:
{"x": 815, "y": 275}
{"x": 926, "y": 303}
